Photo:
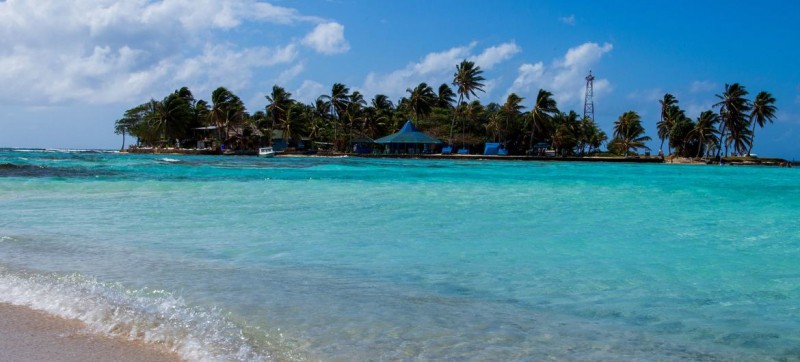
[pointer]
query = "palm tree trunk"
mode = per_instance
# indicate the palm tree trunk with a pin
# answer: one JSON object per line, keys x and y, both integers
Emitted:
{"x": 505, "y": 133}
{"x": 753, "y": 135}
{"x": 533, "y": 127}
{"x": 721, "y": 138}
{"x": 335, "y": 121}
{"x": 463, "y": 132}
{"x": 727, "y": 145}
{"x": 123, "y": 141}
{"x": 453, "y": 123}
{"x": 669, "y": 146}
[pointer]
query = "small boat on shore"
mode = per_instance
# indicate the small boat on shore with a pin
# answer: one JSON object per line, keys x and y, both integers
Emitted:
{"x": 266, "y": 152}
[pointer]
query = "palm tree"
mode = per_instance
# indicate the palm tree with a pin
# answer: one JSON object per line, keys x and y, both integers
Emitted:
{"x": 383, "y": 112}
{"x": 471, "y": 112}
{"x": 589, "y": 135}
{"x": 445, "y": 97}
{"x": 354, "y": 112}
{"x": 421, "y": 100}
{"x": 236, "y": 116}
{"x": 186, "y": 95}
{"x": 705, "y": 130}
{"x": 596, "y": 140}
{"x": 382, "y": 104}
{"x": 143, "y": 129}
{"x": 543, "y": 110}
{"x": 317, "y": 120}
{"x": 733, "y": 107}
{"x": 565, "y": 129}
{"x": 170, "y": 117}
{"x": 291, "y": 121}
{"x": 467, "y": 80}
{"x": 258, "y": 121}
{"x": 278, "y": 108}
{"x": 201, "y": 112}
{"x": 667, "y": 122}
{"x": 763, "y": 112}
{"x": 493, "y": 125}
{"x": 222, "y": 101}
{"x": 511, "y": 109}
{"x": 629, "y": 133}
{"x": 680, "y": 135}
{"x": 336, "y": 104}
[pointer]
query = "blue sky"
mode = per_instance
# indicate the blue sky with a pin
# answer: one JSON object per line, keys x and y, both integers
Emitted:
{"x": 70, "y": 68}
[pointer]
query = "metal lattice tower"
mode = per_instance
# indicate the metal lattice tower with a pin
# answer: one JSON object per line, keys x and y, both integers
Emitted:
{"x": 588, "y": 100}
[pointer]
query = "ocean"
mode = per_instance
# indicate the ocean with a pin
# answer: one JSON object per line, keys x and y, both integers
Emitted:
{"x": 294, "y": 259}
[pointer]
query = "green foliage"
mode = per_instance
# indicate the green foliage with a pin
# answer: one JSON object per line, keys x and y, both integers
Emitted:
{"x": 733, "y": 108}
{"x": 629, "y": 133}
{"x": 467, "y": 80}
{"x": 590, "y": 137}
{"x": 668, "y": 112}
{"x": 338, "y": 117}
{"x": 763, "y": 111}
{"x": 445, "y": 96}
{"x": 681, "y": 137}
{"x": 421, "y": 101}
{"x": 705, "y": 132}
{"x": 541, "y": 116}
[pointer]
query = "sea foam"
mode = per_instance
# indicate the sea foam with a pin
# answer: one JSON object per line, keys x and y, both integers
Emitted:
{"x": 150, "y": 316}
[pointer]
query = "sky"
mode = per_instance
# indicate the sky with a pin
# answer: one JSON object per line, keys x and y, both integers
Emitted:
{"x": 70, "y": 68}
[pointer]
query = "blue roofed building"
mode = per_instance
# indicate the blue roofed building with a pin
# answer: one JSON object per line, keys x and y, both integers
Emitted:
{"x": 409, "y": 140}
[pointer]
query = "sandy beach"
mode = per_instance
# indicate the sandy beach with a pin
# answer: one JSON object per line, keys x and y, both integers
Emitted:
{"x": 30, "y": 335}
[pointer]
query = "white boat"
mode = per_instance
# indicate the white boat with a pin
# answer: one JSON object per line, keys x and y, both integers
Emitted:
{"x": 266, "y": 152}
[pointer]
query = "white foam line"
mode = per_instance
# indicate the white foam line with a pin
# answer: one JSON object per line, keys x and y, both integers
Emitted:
{"x": 149, "y": 316}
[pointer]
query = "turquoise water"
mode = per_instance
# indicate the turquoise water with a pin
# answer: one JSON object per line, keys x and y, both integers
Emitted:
{"x": 240, "y": 258}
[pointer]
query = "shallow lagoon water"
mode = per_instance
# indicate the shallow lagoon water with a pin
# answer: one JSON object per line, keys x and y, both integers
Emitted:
{"x": 240, "y": 258}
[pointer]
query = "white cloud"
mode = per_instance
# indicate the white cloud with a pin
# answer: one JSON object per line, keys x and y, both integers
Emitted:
{"x": 704, "y": 86}
{"x": 565, "y": 78}
{"x": 496, "y": 54}
{"x": 489, "y": 86}
{"x": 569, "y": 20}
{"x": 290, "y": 73}
{"x": 693, "y": 109}
{"x": 308, "y": 91}
{"x": 529, "y": 74}
{"x": 108, "y": 51}
{"x": 437, "y": 68}
{"x": 327, "y": 38}
{"x": 433, "y": 68}
{"x": 585, "y": 54}
{"x": 436, "y": 62}
{"x": 198, "y": 14}
{"x": 224, "y": 64}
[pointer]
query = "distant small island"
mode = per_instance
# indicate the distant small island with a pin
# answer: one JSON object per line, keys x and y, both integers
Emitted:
{"x": 343, "y": 122}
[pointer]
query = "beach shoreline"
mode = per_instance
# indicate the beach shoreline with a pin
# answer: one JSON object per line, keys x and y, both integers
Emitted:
{"x": 31, "y": 335}
{"x": 736, "y": 161}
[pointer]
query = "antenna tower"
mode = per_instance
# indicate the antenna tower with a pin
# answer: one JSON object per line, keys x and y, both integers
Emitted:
{"x": 588, "y": 100}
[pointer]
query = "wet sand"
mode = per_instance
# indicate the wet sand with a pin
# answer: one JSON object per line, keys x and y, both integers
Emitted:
{"x": 30, "y": 335}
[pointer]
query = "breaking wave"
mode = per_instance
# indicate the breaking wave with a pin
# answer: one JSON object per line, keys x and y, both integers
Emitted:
{"x": 150, "y": 316}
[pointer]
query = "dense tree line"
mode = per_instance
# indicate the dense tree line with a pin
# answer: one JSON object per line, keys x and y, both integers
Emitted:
{"x": 455, "y": 116}
{"x": 730, "y": 130}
